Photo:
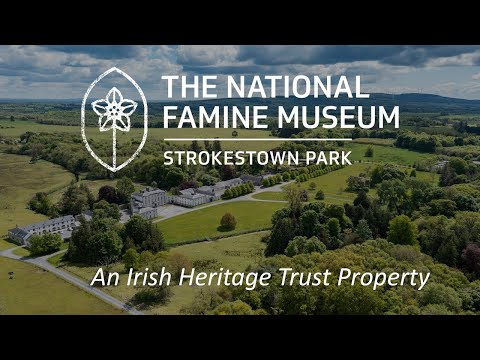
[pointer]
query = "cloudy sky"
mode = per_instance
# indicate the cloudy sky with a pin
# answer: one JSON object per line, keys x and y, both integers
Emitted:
{"x": 65, "y": 71}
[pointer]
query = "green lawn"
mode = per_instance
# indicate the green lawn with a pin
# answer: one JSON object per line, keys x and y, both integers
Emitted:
{"x": 385, "y": 154}
{"x": 270, "y": 195}
{"x": 6, "y": 244}
{"x": 26, "y": 252}
{"x": 205, "y": 222}
{"x": 19, "y": 181}
{"x": 235, "y": 253}
{"x": 36, "y": 291}
{"x": 20, "y": 127}
{"x": 334, "y": 183}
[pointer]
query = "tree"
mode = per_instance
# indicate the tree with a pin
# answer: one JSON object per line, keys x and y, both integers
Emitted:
{"x": 358, "y": 183}
{"x": 442, "y": 207}
{"x": 41, "y": 204}
{"x": 143, "y": 234}
{"x": 471, "y": 258}
{"x": 228, "y": 222}
{"x": 131, "y": 259}
{"x": 45, "y": 244}
{"x": 320, "y": 195}
{"x": 369, "y": 152}
{"x": 149, "y": 296}
{"x": 308, "y": 222}
{"x": 195, "y": 146}
{"x": 286, "y": 176}
{"x": 125, "y": 188}
{"x": 363, "y": 230}
{"x": 402, "y": 231}
{"x": 413, "y": 173}
{"x": 217, "y": 146}
{"x": 304, "y": 195}
{"x": 302, "y": 245}
{"x": 106, "y": 245}
{"x": 312, "y": 186}
{"x": 105, "y": 209}
{"x": 76, "y": 199}
{"x": 353, "y": 300}
{"x": 95, "y": 242}
{"x": 174, "y": 177}
{"x": 293, "y": 194}
{"x": 236, "y": 307}
{"x": 227, "y": 194}
{"x": 234, "y": 133}
{"x": 283, "y": 231}
{"x": 177, "y": 262}
{"x": 333, "y": 227}
{"x": 434, "y": 232}
{"x": 109, "y": 194}
{"x": 12, "y": 118}
{"x": 440, "y": 294}
{"x": 392, "y": 193}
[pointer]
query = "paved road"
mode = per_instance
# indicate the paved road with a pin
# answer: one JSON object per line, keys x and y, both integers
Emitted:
{"x": 44, "y": 264}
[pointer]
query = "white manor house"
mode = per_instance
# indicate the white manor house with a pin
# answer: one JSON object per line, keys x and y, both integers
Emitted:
{"x": 149, "y": 201}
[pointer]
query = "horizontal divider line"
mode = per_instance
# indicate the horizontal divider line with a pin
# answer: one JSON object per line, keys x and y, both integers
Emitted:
{"x": 256, "y": 139}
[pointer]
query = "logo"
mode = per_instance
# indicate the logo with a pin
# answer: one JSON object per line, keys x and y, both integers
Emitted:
{"x": 114, "y": 113}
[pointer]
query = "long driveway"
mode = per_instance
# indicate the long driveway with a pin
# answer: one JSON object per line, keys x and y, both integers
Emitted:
{"x": 43, "y": 263}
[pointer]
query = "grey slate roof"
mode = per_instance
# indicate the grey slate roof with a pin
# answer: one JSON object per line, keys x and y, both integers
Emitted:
{"x": 56, "y": 221}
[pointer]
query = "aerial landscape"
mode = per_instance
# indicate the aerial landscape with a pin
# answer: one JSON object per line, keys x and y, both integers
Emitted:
{"x": 409, "y": 200}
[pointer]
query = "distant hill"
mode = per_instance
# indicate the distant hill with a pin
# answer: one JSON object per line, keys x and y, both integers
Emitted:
{"x": 412, "y": 102}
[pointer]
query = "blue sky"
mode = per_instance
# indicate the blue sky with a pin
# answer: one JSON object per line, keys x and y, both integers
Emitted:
{"x": 65, "y": 71}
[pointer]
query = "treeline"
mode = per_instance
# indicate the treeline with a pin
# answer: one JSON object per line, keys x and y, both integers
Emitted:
{"x": 239, "y": 190}
{"x": 275, "y": 179}
{"x": 78, "y": 198}
{"x": 430, "y": 143}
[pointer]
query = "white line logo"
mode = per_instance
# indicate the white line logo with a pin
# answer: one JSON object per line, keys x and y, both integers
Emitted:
{"x": 114, "y": 113}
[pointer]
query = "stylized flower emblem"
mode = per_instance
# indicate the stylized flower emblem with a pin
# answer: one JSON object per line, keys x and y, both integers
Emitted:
{"x": 114, "y": 111}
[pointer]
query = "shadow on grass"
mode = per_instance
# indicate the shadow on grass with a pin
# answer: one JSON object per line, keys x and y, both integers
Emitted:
{"x": 8, "y": 240}
{"x": 224, "y": 229}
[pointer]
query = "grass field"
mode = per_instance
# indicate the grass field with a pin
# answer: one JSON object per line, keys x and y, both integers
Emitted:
{"x": 205, "y": 222}
{"x": 20, "y": 127}
{"x": 19, "y": 181}
{"x": 385, "y": 154}
{"x": 235, "y": 253}
{"x": 36, "y": 291}
{"x": 334, "y": 183}
{"x": 6, "y": 244}
{"x": 270, "y": 195}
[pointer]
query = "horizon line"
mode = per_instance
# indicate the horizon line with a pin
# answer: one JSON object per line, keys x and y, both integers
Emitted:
{"x": 257, "y": 139}
{"x": 26, "y": 99}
